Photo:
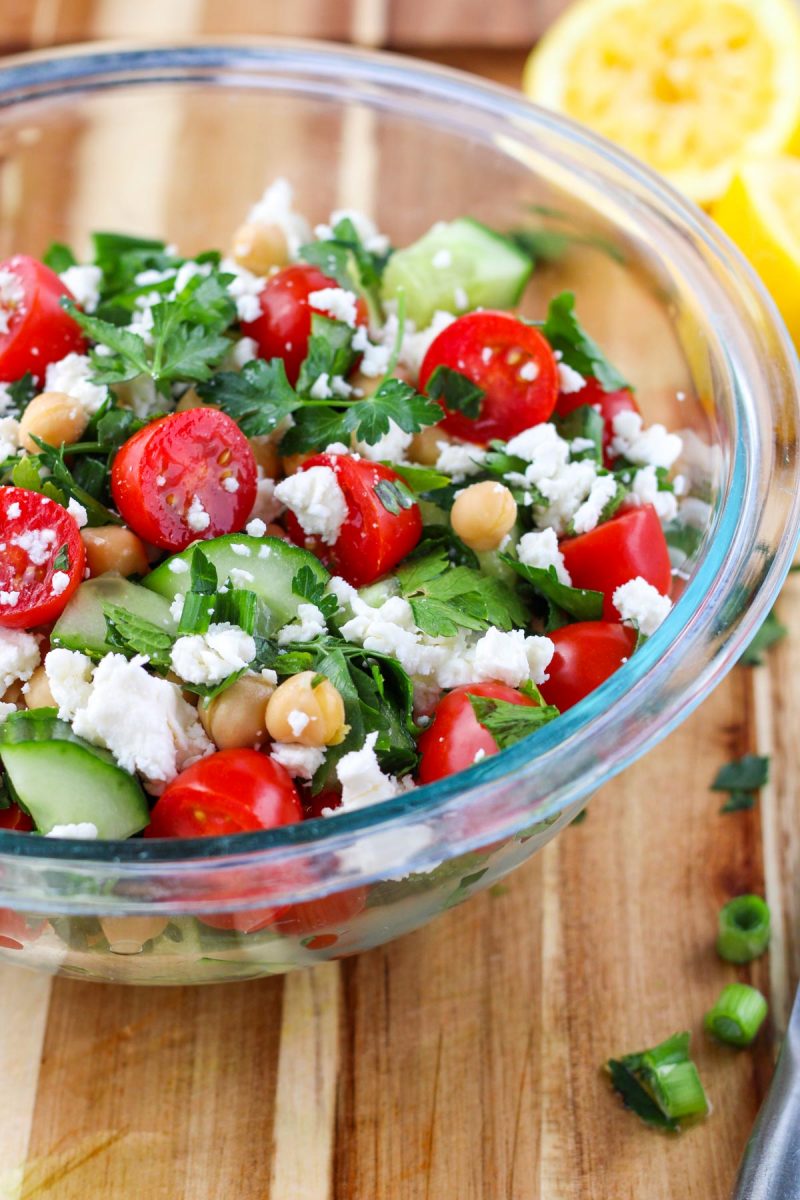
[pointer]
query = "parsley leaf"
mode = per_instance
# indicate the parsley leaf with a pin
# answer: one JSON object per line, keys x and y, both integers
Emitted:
{"x": 258, "y": 397}
{"x": 20, "y": 393}
{"x": 329, "y": 352}
{"x": 347, "y": 260}
{"x": 311, "y": 588}
{"x": 579, "y": 603}
{"x": 456, "y": 391}
{"x": 445, "y": 598}
{"x": 394, "y": 496}
{"x": 741, "y": 778}
{"x": 579, "y": 351}
{"x": 509, "y": 723}
{"x": 59, "y": 257}
{"x": 419, "y": 479}
{"x": 121, "y": 257}
{"x": 61, "y": 560}
{"x": 60, "y": 484}
{"x": 131, "y": 635}
{"x": 586, "y": 423}
{"x": 130, "y": 354}
{"x": 771, "y": 631}
{"x": 394, "y": 400}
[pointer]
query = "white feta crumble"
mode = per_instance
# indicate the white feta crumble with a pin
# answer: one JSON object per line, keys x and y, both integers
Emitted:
{"x": 69, "y": 675}
{"x": 297, "y": 721}
{"x": 178, "y": 566}
{"x": 390, "y": 447}
{"x": 512, "y": 657}
{"x": 460, "y": 299}
{"x": 311, "y": 624}
{"x": 255, "y": 527}
{"x": 529, "y": 371}
{"x": 363, "y": 782}
{"x": 140, "y": 396}
{"x": 9, "y": 437}
{"x": 416, "y": 343}
{"x": 542, "y": 448}
{"x": 19, "y": 656}
{"x": 245, "y": 289}
{"x": 639, "y": 603}
{"x": 379, "y": 852}
{"x": 569, "y": 380}
{"x": 459, "y": 460}
{"x": 375, "y": 358}
{"x": 243, "y": 351}
{"x": 84, "y": 283}
{"x": 540, "y": 549}
{"x": 59, "y": 582}
{"x": 266, "y": 507}
{"x": 176, "y": 607}
{"x": 36, "y": 543}
{"x": 302, "y": 762}
{"x": 186, "y": 273}
{"x": 240, "y": 549}
{"x": 78, "y": 829}
{"x": 645, "y": 490}
{"x": 586, "y": 516}
{"x": 6, "y": 710}
{"x": 212, "y": 656}
{"x": 442, "y": 259}
{"x": 9, "y": 597}
{"x": 364, "y": 226}
{"x": 71, "y": 376}
{"x": 653, "y": 446}
{"x": 77, "y": 512}
{"x": 12, "y": 297}
{"x": 13, "y": 511}
{"x": 230, "y": 483}
{"x": 321, "y": 388}
{"x": 275, "y": 208}
{"x": 579, "y": 444}
{"x": 317, "y": 501}
{"x": 197, "y": 518}
{"x": 240, "y": 578}
{"x": 336, "y": 302}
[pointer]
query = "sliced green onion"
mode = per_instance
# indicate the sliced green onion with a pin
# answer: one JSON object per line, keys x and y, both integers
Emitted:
{"x": 738, "y": 1014}
{"x": 743, "y": 929}
{"x": 661, "y": 1085}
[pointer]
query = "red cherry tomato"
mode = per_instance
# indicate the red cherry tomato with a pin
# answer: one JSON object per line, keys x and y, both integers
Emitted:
{"x": 15, "y": 931}
{"x": 372, "y": 539}
{"x": 42, "y": 560}
{"x": 36, "y": 330}
{"x": 497, "y": 352}
{"x": 232, "y": 791}
{"x": 283, "y": 328}
{"x": 326, "y": 913}
{"x": 454, "y": 736}
{"x": 169, "y": 479}
{"x": 14, "y": 818}
{"x": 609, "y": 403}
{"x": 628, "y": 545}
{"x": 586, "y": 654}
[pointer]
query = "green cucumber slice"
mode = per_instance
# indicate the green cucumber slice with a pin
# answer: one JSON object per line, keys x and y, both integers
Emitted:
{"x": 62, "y": 780}
{"x": 82, "y": 625}
{"x": 272, "y": 562}
{"x": 489, "y": 269}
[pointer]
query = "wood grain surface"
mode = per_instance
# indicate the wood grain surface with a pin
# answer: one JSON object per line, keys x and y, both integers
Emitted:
{"x": 463, "y": 1061}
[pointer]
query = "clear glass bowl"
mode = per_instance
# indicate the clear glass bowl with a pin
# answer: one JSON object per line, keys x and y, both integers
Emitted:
{"x": 177, "y": 142}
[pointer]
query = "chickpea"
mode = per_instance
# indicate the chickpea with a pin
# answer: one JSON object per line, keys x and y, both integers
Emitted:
{"x": 266, "y": 455}
{"x": 13, "y": 693}
{"x": 483, "y": 514}
{"x": 38, "y": 694}
{"x": 295, "y": 699}
{"x": 292, "y": 463}
{"x": 54, "y": 417}
{"x": 238, "y": 716}
{"x": 112, "y": 548}
{"x": 127, "y": 935}
{"x": 259, "y": 247}
{"x": 190, "y": 399}
{"x": 424, "y": 446}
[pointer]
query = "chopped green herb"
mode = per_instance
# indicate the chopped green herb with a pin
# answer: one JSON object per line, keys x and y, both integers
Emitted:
{"x": 308, "y": 585}
{"x": 60, "y": 484}
{"x": 131, "y": 635}
{"x": 771, "y": 631}
{"x": 59, "y": 257}
{"x": 330, "y": 352}
{"x": 258, "y": 397}
{"x": 741, "y": 778}
{"x": 394, "y": 496}
{"x": 20, "y": 393}
{"x": 585, "y": 423}
{"x": 419, "y": 479}
{"x": 509, "y": 723}
{"x": 579, "y": 603}
{"x": 61, "y": 560}
{"x": 744, "y": 929}
{"x": 579, "y": 351}
{"x": 444, "y": 598}
{"x": 456, "y": 391}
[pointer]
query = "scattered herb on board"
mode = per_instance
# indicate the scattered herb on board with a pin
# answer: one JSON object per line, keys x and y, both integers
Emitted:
{"x": 741, "y": 779}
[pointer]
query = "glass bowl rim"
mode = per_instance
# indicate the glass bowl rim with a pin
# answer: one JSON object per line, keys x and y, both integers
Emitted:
{"x": 81, "y": 67}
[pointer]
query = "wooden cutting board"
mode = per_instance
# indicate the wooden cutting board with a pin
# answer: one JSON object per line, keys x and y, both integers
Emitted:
{"x": 462, "y": 1062}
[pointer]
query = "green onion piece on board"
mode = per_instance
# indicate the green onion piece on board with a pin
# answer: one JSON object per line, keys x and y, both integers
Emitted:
{"x": 743, "y": 929}
{"x": 660, "y": 1085}
{"x": 738, "y": 1014}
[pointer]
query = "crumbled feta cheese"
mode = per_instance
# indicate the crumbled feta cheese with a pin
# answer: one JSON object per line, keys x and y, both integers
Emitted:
{"x": 71, "y": 376}
{"x": 12, "y": 297}
{"x": 240, "y": 549}
{"x": 13, "y": 511}
{"x": 579, "y": 444}
{"x": 84, "y": 283}
{"x": 460, "y": 299}
{"x": 653, "y": 446}
{"x": 6, "y": 710}
{"x": 59, "y": 582}
{"x": 9, "y": 437}
{"x": 77, "y": 512}
{"x": 645, "y": 490}
{"x": 642, "y": 605}
{"x": 212, "y": 656}
{"x": 143, "y": 720}
{"x": 19, "y": 656}
{"x": 379, "y": 852}
{"x": 442, "y": 259}
{"x": 255, "y": 528}
{"x": 390, "y": 447}
{"x": 140, "y": 396}
{"x": 587, "y": 515}
{"x": 540, "y": 549}
{"x": 363, "y": 782}
{"x": 364, "y": 226}
{"x": 336, "y": 302}
{"x": 231, "y": 483}
{"x": 197, "y": 518}
{"x": 302, "y": 762}
{"x": 339, "y": 448}
{"x": 321, "y": 388}
{"x": 69, "y": 675}
{"x": 529, "y": 371}
{"x": 266, "y": 507}
{"x": 240, "y": 578}
{"x": 178, "y": 566}
{"x": 78, "y": 829}
{"x": 311, "y": 624}
{"x": 317, "y": 501}
{"x": 512, "y": 657}
{"x": 375, "y": 359}
{"x": 186, "y": 273}
{"x": 569, "y": 381}
{"x": 542, "y": 448}
{"x": 460, "y": 460}
{"x": 275, "y": 208}
{"x": 297, "y": 721}
{"x": 243, "y": 351}
{"x": 9, "y": 598}
{"x": 416, "y": 344}
{"x": 245, "y": 288}
{"x": 36, "y": 543}
{"x": 176, "y": 607}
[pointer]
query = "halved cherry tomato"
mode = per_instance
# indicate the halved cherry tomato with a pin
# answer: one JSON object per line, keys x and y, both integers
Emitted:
{"x": 232, "y": 791}
{"x": 326, "y": 913}
{"x": 283, "y": 328}
{"x": 171, "y": 483}
{"x": 372, "y": 539}
{"x": 586, "y": 654}
{"x": 42, "y": 561}
{"x": 609, "y": 404}
{"x": 513, "y": 364}
{"x": 34, "y": 328}
{"x": 14, "y": 818}
{"x": 16, "y": 931}
{"x": 625, "y": 547}
{"x": 454, "y": 737}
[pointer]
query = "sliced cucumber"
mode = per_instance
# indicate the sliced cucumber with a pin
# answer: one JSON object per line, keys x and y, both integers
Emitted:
{"x": 272, "y": 563}
{"x": 82, "y": 625}
{"x": 489, "y": 269}
{"x": 62, "y": 780}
